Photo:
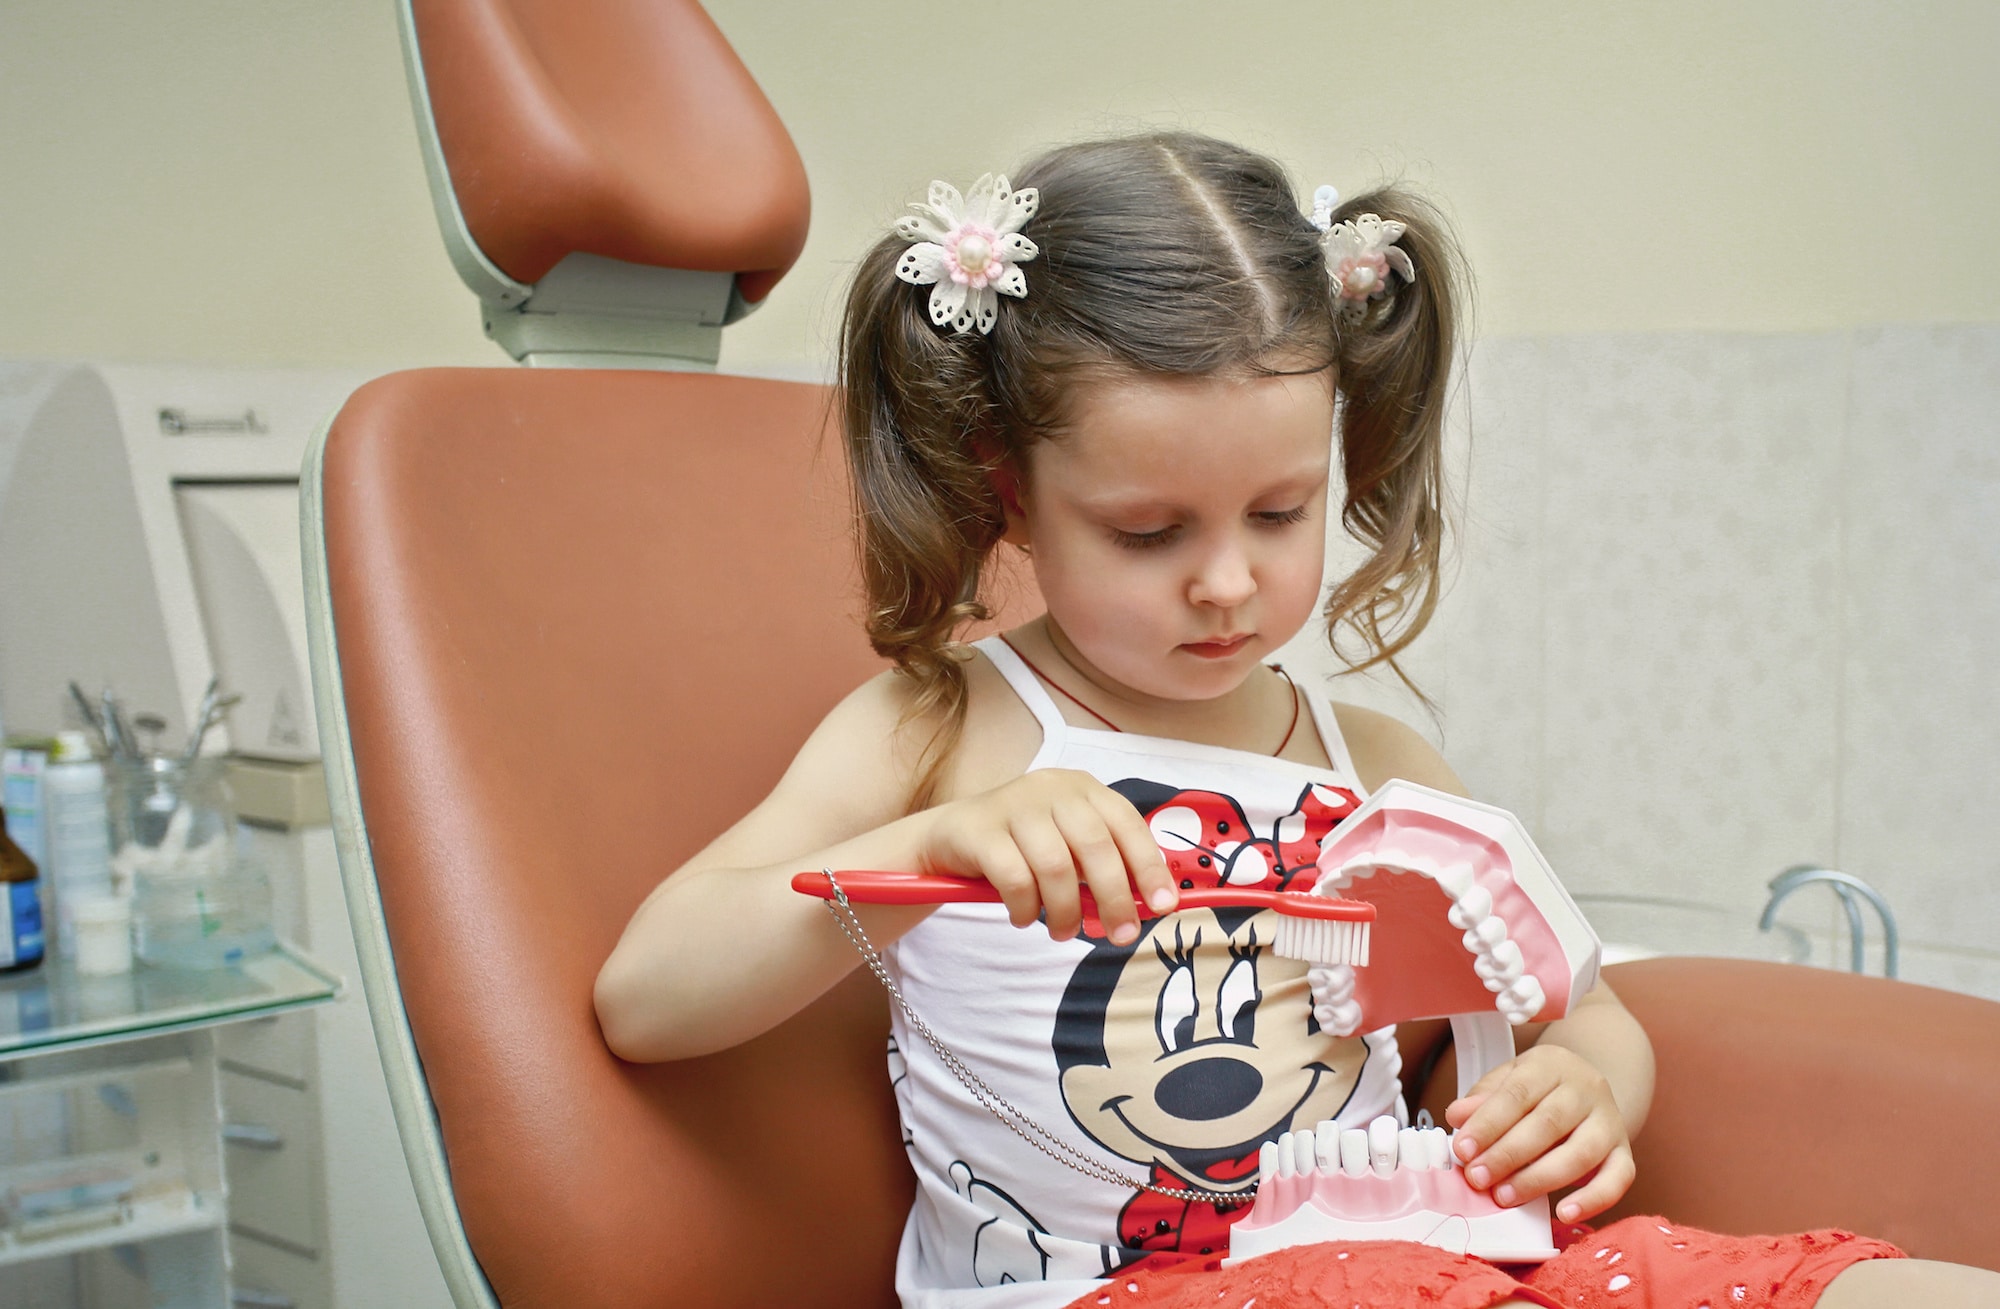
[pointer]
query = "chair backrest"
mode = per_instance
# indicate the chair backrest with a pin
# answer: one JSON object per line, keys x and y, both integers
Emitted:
{"x": 570, "y": 625}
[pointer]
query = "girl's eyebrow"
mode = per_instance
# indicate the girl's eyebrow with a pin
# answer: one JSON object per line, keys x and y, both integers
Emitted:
{"x": 1304, "y": 481}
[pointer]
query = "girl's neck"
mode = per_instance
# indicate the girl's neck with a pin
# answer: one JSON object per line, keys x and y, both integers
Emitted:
{"x": 1252, "y": 716}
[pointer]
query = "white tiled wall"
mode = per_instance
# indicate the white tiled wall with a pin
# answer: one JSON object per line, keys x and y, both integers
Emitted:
{"x": 1727, "y": 603}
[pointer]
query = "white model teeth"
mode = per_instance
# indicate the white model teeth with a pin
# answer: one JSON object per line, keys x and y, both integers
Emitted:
{"x": 1326, "y": 1146}
{"x": 1483, "y": 935}
{"x": 1411, "y": 1152}
{"x": 1377, "y": 1150}
{"x": 1501, "y": 967}
{"x": 1382, "y": 1145}
{"x": 1354, "y": 1152}
{"x": 1303, "y": 1159}
{"x": 1522, "y": 1000}
{"x": 1457, "y": 879}
{"x": 1334, "y": 1005}
{"x": 1471, "y": 907}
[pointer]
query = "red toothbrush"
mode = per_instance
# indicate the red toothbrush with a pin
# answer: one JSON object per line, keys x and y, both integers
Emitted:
{"x": 1316, "y": 929}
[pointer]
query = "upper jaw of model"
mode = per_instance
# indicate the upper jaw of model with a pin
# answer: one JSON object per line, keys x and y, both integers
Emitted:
{"x": 1469, "y": 916}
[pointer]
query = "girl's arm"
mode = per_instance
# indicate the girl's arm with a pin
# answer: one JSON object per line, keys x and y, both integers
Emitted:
{"x": 724, "y": 949}
{"x": 1566, "y": 1108}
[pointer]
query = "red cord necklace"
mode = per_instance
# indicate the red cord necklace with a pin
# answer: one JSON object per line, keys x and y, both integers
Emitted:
{"x": 1293, "y": 726}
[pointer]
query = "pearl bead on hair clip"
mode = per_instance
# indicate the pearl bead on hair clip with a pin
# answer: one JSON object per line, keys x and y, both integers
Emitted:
{"x": 1360, "y": 254}
{"x": 971, "y": 248}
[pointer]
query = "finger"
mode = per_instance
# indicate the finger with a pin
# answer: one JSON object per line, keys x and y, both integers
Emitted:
{"x": 1001, "y": 865}
{"x": 1614, "y": 1178}
{"x": 1460, "y": 1110}
{"x": 1567, "y": 1162}
{"x": 1531, "y": 1134}
{"x": 1041, "y": 843}
{"x": 1141, "y": 853}
{"x": 1513, "y": 1091}
{"x": 1102, "y": 865}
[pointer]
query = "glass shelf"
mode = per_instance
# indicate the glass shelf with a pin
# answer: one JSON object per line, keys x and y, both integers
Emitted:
{"x": 51, "y": 1008}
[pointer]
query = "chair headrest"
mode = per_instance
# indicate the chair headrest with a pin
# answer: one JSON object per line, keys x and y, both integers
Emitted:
{"x": 626, "y": 129}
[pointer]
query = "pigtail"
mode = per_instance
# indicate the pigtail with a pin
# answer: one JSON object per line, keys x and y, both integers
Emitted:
{"x": 1395, "y": 359}
{"x": 921, "y": 466}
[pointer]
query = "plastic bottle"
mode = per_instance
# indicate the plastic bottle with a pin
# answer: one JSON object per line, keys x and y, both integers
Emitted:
{"x": 20, "y": 905}
{"x": 79, "y": 832}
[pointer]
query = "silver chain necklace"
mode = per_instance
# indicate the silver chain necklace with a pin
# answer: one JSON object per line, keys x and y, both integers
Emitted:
{"x": 992, "y": 1101}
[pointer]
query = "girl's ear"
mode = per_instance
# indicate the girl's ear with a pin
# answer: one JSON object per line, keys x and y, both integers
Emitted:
{"x": 1007, "y": 486}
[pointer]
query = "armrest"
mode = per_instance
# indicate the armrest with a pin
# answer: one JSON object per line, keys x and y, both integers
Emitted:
{"x": 1791, "y": 1098}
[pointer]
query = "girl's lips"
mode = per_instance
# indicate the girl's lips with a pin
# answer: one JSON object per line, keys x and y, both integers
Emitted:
{"x": 1217, "y": 649}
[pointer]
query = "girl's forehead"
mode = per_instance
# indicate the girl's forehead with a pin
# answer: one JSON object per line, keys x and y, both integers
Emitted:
{"x": 1138, "y": 430}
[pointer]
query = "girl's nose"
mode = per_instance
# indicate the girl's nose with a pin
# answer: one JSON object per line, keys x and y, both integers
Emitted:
{"x": 1225, "y": 579}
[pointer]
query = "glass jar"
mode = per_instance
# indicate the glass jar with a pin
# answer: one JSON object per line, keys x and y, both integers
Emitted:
{"x": 196, "y": 901}
{"x": 170, "y": 815}
{"x": 197, "y": 918}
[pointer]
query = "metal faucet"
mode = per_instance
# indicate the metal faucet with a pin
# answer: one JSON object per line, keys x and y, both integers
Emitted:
{"x": 1847, "y": 887}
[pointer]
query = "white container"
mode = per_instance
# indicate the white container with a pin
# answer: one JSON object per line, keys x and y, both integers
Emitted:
{"x": 101, "y": 930}
{"x": 79, "y": 832}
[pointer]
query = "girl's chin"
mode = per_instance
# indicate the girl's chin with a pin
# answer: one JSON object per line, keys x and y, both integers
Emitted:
{"x": 1187, "y": 677}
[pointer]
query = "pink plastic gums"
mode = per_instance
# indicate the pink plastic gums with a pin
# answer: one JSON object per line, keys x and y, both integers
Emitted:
{"x": 1471, "y": 925}
{"x": 1469, "y": 916}
{"x": 1434, "y": 1206}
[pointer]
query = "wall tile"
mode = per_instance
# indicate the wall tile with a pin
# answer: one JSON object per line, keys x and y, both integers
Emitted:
{"x": 1920, "y": 758}
{"x": 1691, "y": 667}
{"x": 1490, "y": 624}
{"x": 1480, "y": 658}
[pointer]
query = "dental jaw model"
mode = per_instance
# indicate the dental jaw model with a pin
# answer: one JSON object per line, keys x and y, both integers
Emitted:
{"x": 1471, "y": 925}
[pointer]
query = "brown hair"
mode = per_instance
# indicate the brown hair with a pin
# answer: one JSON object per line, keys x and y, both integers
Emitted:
{"x": 1162, "y": 254}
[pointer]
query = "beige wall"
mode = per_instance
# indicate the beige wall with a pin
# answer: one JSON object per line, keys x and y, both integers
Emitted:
{"x": 238, "y": 182}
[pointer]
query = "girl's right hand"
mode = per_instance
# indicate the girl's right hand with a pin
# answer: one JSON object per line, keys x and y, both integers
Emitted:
{"x": 1037, "y": 837}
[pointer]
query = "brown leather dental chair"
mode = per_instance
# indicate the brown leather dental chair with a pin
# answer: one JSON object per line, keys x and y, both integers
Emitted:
{"x": 570, "y": 622}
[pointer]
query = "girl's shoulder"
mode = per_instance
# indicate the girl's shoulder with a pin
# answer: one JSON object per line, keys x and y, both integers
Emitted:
{"x": 878, "y": 736}
{"x": 1384, "y": 747}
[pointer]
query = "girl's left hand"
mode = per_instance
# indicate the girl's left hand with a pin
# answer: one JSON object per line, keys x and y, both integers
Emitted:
{"x": 1543, "y": 1120}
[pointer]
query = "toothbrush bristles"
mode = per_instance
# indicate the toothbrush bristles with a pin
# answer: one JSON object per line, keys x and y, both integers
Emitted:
{"x": 1322, "y": 941}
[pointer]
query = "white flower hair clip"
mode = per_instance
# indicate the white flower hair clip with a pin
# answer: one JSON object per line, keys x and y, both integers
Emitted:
{"x": 971, "y": 247}
{"x": 1360, "y": 254}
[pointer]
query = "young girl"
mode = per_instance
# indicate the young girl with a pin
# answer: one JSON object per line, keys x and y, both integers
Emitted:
{"x": 1135, "y": 369}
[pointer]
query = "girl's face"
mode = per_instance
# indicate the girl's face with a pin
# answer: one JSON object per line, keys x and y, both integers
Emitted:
{"x": 1178, "y": 528}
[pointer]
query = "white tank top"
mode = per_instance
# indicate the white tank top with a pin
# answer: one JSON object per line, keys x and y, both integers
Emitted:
{"x": 1169, "y": 1061}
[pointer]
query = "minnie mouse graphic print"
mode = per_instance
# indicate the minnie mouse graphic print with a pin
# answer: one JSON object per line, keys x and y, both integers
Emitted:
{"x": 1170, "y": 1061}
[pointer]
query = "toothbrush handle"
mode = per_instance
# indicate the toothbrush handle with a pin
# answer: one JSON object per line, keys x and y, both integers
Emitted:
{"x": 868, "y": 886}
{"x": 871, "y": 886}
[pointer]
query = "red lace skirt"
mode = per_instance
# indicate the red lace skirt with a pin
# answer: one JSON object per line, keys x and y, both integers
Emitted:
{"x": 1636, "y": 1263}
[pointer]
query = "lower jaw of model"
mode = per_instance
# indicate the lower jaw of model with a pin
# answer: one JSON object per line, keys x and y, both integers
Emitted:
{"x": 1382, "y": 1183}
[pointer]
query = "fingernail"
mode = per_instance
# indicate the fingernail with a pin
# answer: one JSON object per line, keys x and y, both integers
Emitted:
{"x": 1478, "y": 1176}
{"x": 1162, "y": 900}
{"x": 1506, "y": 1195}
{"x": 1124, "y": 934}
{"x": 1566, "y": 1211}
{"x": 1466, "y": 1147}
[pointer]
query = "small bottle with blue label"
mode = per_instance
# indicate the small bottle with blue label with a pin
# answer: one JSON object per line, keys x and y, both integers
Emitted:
{"x": 20, "y": 906}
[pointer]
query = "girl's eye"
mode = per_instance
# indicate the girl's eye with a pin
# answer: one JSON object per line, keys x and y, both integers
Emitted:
{"x": 1280, "y": 517}
{"x": 1145, "y": 540}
